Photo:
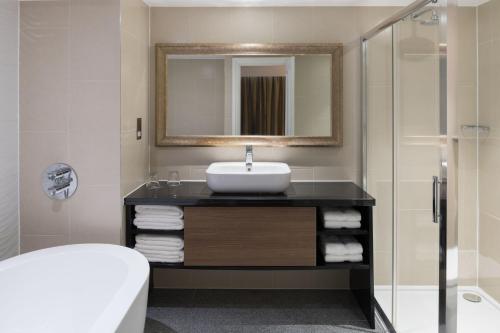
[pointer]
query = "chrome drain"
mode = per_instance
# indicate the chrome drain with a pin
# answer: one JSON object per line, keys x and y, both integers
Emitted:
{"x": 472, "y": 297}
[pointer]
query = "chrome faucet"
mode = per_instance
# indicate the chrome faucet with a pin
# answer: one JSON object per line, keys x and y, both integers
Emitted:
{"x": 249, "y": 157}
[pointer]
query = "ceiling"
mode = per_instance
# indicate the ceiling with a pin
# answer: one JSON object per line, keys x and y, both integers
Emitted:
{"x": 287, "y": 3}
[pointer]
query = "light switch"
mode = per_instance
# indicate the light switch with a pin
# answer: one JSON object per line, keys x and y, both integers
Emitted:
{"x": 139, "y": 129}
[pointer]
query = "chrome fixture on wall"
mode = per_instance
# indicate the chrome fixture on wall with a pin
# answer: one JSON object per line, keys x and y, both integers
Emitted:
{"x": 59, "y": 181}
{"x": 249, "y": 157}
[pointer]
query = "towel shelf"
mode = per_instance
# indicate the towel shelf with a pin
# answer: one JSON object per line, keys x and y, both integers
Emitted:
{"x": 320, "y": 266}
{"x": 341, "y": 232}
{"x": 304, "y": 195}
{"x": 136, "y": 231}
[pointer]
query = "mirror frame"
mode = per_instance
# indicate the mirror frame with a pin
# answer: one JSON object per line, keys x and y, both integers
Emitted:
{"x": 162, "y": 51}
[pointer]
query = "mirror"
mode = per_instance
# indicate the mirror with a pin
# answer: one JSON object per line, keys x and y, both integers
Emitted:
{"x": 261, "y": 94}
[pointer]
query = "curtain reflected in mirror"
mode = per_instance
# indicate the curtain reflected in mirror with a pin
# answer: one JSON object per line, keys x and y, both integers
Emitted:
{"x": 263, "y": 105}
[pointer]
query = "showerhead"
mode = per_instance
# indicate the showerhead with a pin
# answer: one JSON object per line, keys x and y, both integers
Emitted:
{"x": 433, "y": 20}
{"x": 416, "y": 43}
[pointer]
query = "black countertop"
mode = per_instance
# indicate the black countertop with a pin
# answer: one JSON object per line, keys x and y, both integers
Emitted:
{"x": 298, "y": 194}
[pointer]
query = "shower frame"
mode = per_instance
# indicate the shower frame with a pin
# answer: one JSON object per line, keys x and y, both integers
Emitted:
{"x": 448, "y": 248}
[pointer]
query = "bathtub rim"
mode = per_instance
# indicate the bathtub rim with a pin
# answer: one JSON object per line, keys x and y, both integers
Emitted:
{"x": 116, "y": 310}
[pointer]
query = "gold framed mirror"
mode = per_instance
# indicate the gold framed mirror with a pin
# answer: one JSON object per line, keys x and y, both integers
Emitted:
{"x": 249, "y": 94}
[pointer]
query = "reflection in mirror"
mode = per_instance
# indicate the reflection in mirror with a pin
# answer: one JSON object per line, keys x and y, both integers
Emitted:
{"x": 249, "y": 95}
{"x": 239, "y": 94}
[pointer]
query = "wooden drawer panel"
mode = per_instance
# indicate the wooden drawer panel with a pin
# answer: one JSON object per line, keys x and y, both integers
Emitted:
{"x": 250, "y": 236}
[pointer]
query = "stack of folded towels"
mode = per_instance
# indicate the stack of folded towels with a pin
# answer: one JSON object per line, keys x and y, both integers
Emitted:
{"x": 160, "y": 248}
{"x": 159, "y": 217}
{"x": 337, "y": 218}
{"x": 342, "y": 248}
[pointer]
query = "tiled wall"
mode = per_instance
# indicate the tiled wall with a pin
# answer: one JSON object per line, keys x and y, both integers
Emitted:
{"x": 134, "y": 93}
{"x": 70, "y": 112}
{"x": 9, "y": 128}
{"x": 489, "y": 148}
{"x": 268, "y": 25}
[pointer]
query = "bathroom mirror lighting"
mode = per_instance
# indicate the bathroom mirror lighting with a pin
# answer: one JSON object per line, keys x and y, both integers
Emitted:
{"x": 239, "y": 94}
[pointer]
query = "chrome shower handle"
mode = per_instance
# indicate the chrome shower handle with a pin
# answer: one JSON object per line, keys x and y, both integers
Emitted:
{"x": 436, "y": 194}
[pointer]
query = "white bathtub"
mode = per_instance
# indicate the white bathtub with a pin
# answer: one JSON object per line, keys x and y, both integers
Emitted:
{"x": 76, "y": 288}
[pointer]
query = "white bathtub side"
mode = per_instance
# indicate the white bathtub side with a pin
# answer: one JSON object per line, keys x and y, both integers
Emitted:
{"x": 76, "y": 288}
{"x": 135, "y": 319}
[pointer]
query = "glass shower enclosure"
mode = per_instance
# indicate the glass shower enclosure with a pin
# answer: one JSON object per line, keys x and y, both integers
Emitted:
{"x": 431, "y": 125}
{"x": 406, "y": 151}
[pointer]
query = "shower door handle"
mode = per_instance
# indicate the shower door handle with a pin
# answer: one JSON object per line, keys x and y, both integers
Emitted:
{"x": 436, "y": 194}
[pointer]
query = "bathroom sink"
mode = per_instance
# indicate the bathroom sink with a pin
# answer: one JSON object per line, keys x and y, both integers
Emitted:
{"x": 263, "y": 177}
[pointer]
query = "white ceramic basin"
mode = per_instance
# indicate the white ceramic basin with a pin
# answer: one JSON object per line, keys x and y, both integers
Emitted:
{"x": 233, "y": 177}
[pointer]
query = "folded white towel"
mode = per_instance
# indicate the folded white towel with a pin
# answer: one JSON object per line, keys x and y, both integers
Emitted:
{"x": 341, "y": 214}
{"x": 172, "y": 211}
{"x": 333, "y": 245}
{"x": 164, "y": 240}
{"x": 350, "y": 258}
{"x": 149, "y": 217}
{"x": 341, "y": 245}
{"x": 176, "y": 257}
{"x": 159, "y": 224}
{"x": 157, "y": 219}
{"x": 352, "y": 245}
{"x": 159, "y": 253}
{"x": 342, "y": 224}
{"x": 159, "y": 247}
{"x": 155, "y": 226}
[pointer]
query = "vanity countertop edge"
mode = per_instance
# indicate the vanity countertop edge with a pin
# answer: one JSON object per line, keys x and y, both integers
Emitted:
{"x": 197, "y": 193}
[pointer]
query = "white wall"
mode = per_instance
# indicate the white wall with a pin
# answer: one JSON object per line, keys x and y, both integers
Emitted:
{"x": 9, "y": 128}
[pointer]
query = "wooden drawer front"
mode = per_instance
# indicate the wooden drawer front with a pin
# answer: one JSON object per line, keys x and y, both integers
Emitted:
{"x": 250, "y": 236}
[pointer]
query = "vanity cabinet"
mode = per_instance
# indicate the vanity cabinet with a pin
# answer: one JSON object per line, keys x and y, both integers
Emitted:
{"x": 263, "y": 231}
{"x": 250, "y": 236}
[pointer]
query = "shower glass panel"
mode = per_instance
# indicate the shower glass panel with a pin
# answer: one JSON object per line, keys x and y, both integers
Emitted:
{"x": 379, "y": 166}
{"x": 406, "y": 148}
{"x": 420, "y": 137}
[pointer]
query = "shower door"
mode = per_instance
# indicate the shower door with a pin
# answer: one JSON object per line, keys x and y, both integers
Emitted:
{"x": 406, "y": 149}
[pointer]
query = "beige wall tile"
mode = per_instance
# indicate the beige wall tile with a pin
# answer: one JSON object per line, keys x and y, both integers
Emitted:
{"x": 252, "y": 25}
{"x": 134, "y": 93}
{"x": 95, "y": 48}
{"x": 94, "y": 105}
{"x": 46, "y": 14}
{"x": 95, "y": 215}
{"x": 40, "y": 215}
{"x": 292, "y": 24}
{"x": 135, "y": 19}
{"x": 383, "y": 268}
{"x": 169, "y": 25}
{"x": 489, "y": 148}
{"x": 418, "y": 249}
{"x": 93, "y": 131}
{"x": 489, "y": 259}
{"x": 9, "y": 26}
{"x": 209, "y": 25}
{"x": 467, "y": 268}
{"x": 43, "y": 78}
{"x": 37, "y": 242}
